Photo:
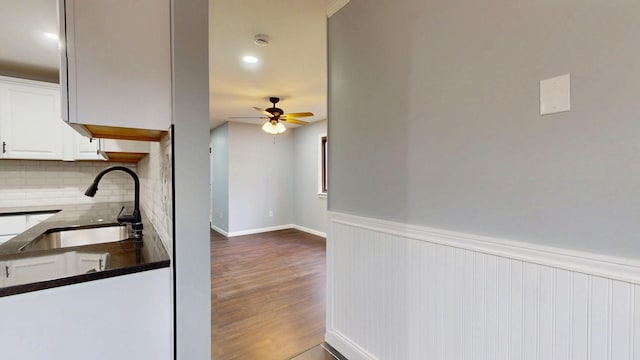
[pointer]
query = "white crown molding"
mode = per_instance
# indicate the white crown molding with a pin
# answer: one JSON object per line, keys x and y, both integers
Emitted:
{"x": 28, "y": 82}
{"x": 334, "y": 6}
{"x": 589, "y": 263}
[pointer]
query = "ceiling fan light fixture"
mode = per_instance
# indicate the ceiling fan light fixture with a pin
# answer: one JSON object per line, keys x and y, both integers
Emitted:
{"x": 272, "y": 128}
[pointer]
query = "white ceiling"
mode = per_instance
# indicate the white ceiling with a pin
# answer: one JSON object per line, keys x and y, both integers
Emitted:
{"x": 23, "y": 46}
{"x": 293, "y": 66}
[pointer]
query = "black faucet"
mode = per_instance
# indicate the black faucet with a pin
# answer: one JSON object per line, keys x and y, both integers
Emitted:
{"x": 134, "y": 219}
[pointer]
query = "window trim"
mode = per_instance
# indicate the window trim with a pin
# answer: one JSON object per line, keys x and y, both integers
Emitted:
{"x": 323, "y": 154}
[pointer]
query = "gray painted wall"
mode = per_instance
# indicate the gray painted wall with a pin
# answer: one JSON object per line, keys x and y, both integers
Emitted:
{"x": 252, "y": 175}
{"x": 260, "y": 178}
{"x": 435, "y": 118}
{"x": 310, "y": 209}
{"x": 220, "y": 177}
{"x": 191, "y": 261}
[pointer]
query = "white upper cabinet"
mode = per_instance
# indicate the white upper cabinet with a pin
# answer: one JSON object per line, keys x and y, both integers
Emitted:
{"x": 116, "y": 64}
{"x": 79, "y": 147}
{"x": 86, "y": 148}
{"x": 30, "y": 126}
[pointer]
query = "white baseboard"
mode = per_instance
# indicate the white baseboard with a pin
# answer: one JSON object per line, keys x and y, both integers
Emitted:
{"x": 259, "y": 230}
{"x": 310, "y": 231}
{"x": 267, "y": 229}
{"x": 219, "y": 230}
{"x": 346, "y": 347}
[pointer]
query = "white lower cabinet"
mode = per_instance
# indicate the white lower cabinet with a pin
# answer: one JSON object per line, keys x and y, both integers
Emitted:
{"x": 86, "y": 262}
{"x": 43, "y": 268}
{"x": 12, "y": 225}
{"x": 33, "y": 219}
{"x": 121, "y": 317}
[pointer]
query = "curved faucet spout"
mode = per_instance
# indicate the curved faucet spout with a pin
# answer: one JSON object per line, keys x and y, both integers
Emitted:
{"x": 135, "y": 218}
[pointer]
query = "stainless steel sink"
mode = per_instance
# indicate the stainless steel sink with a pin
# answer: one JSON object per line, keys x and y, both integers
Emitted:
{"x": 62, "y": 238}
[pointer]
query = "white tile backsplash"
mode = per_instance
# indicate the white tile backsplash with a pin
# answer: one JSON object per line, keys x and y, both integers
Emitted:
{"x": 30, "y": 182}
{"x": 156, "y": 191}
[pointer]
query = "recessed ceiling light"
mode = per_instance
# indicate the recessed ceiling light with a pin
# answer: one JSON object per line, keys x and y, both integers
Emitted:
{"x": 250, "y": 59}
{"x": 51, "y": 35}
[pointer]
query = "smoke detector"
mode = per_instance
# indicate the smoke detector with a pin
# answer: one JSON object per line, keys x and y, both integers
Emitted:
{"x": 261, "y": 39}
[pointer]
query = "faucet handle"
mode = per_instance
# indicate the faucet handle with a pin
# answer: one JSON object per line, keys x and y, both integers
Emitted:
{"x": 120, "y": 213}
{"x": 126, "y": 218}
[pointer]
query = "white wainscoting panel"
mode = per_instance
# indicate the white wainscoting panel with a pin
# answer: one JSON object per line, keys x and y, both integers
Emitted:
{"x": 403, "y": 292}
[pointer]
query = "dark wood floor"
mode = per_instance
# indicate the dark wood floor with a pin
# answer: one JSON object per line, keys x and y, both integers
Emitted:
{"x": 267, "y": 295}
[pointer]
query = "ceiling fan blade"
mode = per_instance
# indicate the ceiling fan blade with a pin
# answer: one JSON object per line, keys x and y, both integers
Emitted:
{"x": 300, "y": 114}
{"x": 294, "y": 121}
{"x": 247, "y": 117}
{"x": 264, "y": 112}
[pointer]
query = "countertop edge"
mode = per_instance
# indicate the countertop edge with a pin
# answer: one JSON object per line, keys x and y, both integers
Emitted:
{"x": 157, "y": 259}
{"x": 77, "y": 279}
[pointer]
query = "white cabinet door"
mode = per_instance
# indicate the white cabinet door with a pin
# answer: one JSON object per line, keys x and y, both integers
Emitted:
{"x": 5, "y": 238}
{"x": 86, "y": 148}
{"x": 13, "y": 224}
{"x": 30, "y": 125}
{"x": 80, "y": 147}
{"x": 28, "y": 270}
{"x": 34, "y": 219}
{"x": 85, "y": 262}
{"x": 118, "y": 63}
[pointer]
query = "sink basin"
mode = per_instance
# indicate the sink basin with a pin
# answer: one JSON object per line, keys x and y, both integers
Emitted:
{"x": 62, "y": 238}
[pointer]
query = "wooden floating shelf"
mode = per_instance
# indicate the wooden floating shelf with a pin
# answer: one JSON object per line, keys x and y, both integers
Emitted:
{"x": 120, "y": 133}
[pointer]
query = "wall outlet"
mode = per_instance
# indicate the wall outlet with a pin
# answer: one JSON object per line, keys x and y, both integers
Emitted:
{"x": 270, "y": 212}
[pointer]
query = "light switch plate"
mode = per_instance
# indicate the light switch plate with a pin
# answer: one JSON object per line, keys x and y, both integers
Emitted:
{"x": 555, "y": 95}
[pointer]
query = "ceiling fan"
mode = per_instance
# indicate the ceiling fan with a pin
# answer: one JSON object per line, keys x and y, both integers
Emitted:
{"x": 275, "y": 116}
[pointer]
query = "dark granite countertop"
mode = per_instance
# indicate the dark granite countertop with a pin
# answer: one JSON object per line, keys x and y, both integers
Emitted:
{"x": 122, "y": 254}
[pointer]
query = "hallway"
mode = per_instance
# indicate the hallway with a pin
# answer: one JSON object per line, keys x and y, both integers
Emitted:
{"x": 267, "y": 294}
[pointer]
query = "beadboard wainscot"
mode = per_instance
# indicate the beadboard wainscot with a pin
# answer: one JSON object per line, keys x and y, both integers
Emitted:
{"x": 411, "y": 292}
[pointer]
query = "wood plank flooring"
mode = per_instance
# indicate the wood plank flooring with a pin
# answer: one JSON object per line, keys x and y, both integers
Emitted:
{"x": 267, "y": 295}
